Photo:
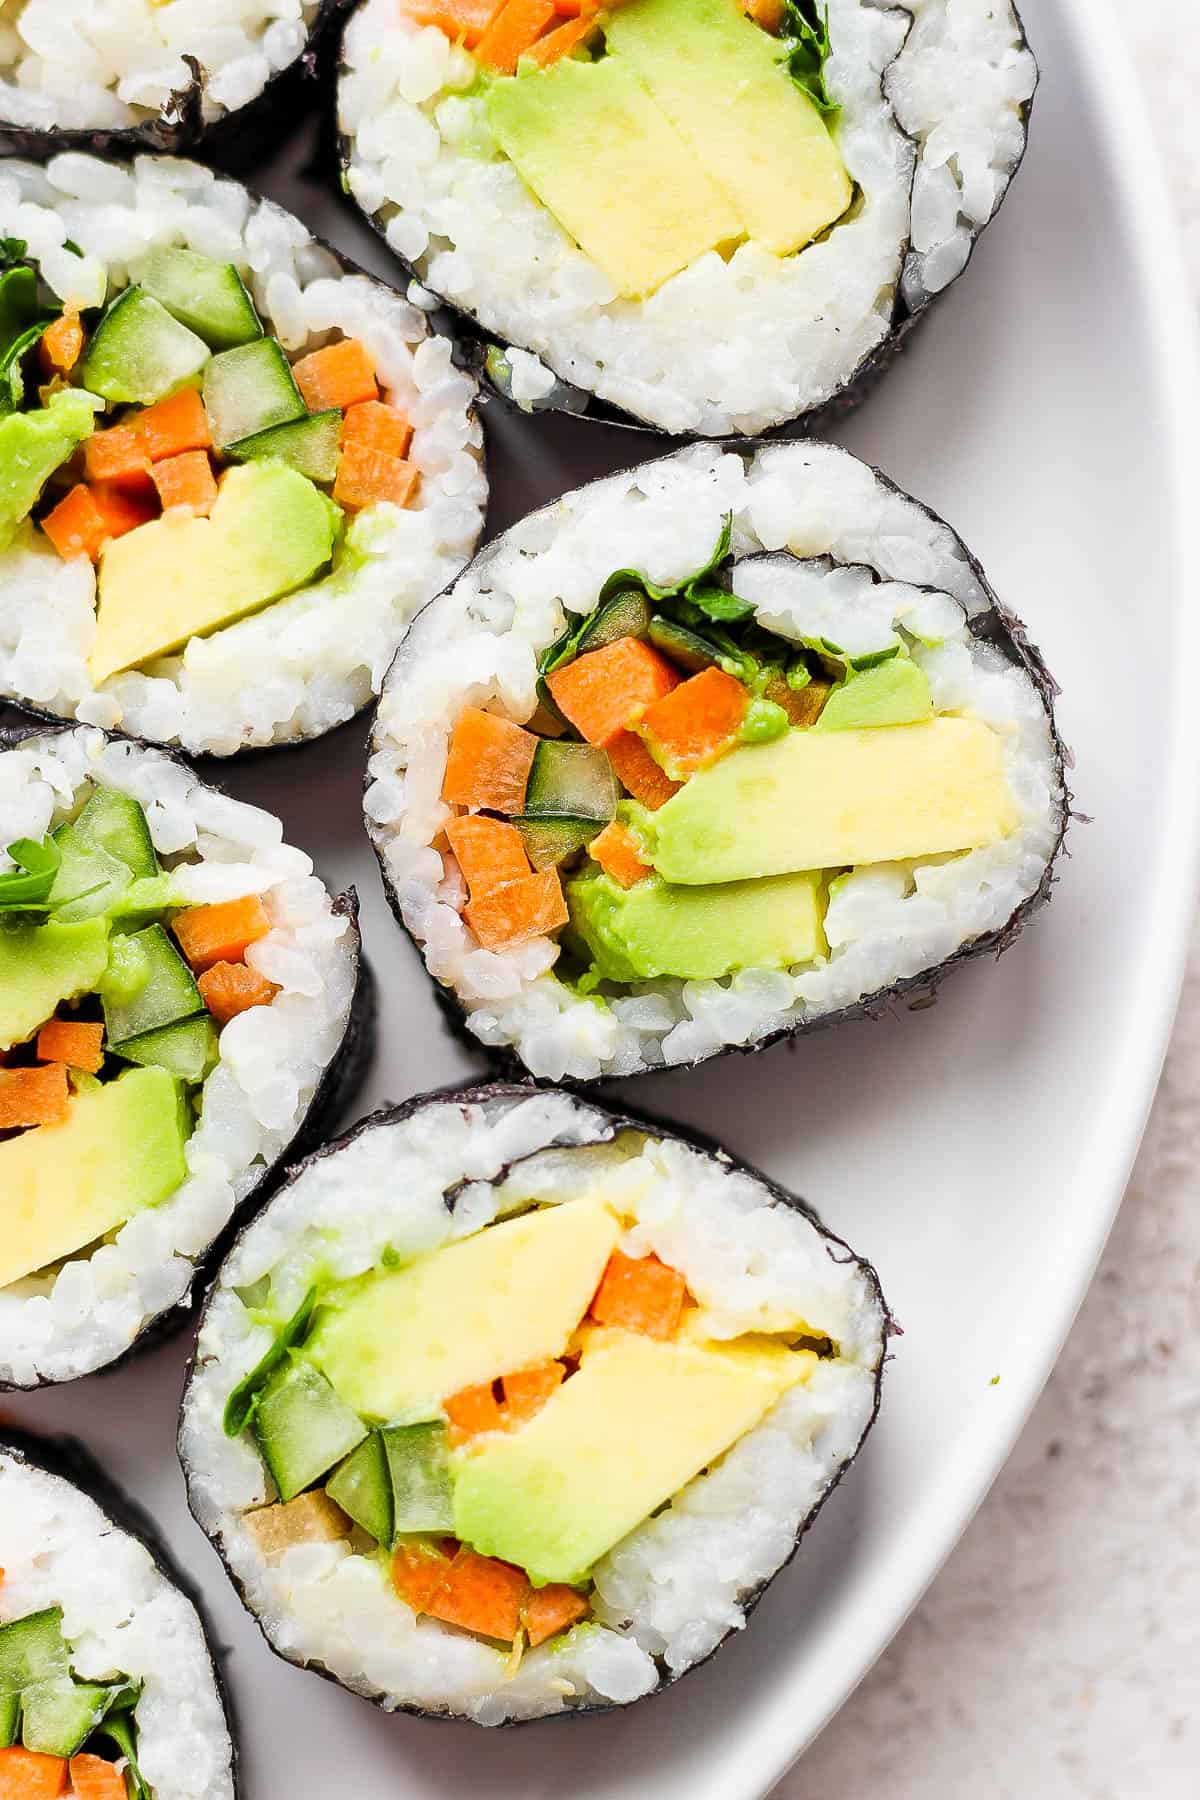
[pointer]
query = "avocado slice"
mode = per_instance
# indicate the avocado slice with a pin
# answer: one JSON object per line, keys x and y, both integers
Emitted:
{"x": 43, "y": 964}
{"x": 893, "y": 693}
{"x": 32, "y": 446}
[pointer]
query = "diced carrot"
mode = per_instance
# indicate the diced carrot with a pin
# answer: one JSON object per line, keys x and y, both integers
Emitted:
{"x": 78, "y": 1044}
{"x": 339, "y": 375}
{"x": 640, "y": 1294}
{"x": 419, "y": 1575}
{"x": 94, "y": 1779}
{"x": 550, "y": 1609}
{"x": 89, "y": 517}
{"x": 488, "y": 762}
{"x": 473, "y": 1410}
{"x": 616, "y": 850}
{"x": 173, "y": 425}
{"x": 463, "y": 21}
{"x": 489, "y": 852}
{"x": 529, "y": 908}
{"x": 186, "y": 483}
{"x": 767, "y": 13}
{"x": 230, "y": 988}
{"x": 526, "y": 1391}
{"x": 33, "y": 1096}
{"x": 522, "y": 1394}
{"x": 117, "y": 455}
{"x": 366, "y": 476}
{"x": 606, "y": 690}
{"x": 377, "y": 427}
{"x": 28, "y": 1775}
{"x": 482, "y": 1594}
{"x": 61, "y": 345}
{"x": 517, "y": 26}
{"x": 637, "y": 771}
{"x": 576, "y": 9}
{"x": 220, "y": 933}
{"x": 565, "y": 38}
{"x": 697, "y": 720}
{"x": 802, "y": 705}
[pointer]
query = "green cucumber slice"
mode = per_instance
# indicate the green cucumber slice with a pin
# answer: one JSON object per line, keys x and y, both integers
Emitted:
{"x": 166, "y": 993}
{"x": 187, "y": 1049}
{"x": 208, "y": 297}
{"x": 89, "y": 881}
{"x": 627, "y": 614}
{"x": 248, "y": 390}
{"x": 302, "y": 1427}
{"x": 240, "y": 1406}
{"x": 58, "y": 1717}
{"x": 362, "y": 1487}
{"x": 549, "y": 841}
{"x": 142, "y": 901}
{"x": 310, "y": 446}
{"x": 32, "y": 1649}
{"x": 687, "y": 648}
{"x": 115, "y": 822}
{"x": 570, "y": 780}
{"x": 139, "y": 352}
{"x": 10, "y": 1712}
{"x": 418, "y": 1458}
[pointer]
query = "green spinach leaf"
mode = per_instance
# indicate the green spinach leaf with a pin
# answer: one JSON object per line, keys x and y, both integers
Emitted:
{"x": 806, "y": 34}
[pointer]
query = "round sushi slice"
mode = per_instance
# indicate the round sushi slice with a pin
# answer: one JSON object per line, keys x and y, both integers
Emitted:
{"x": 138, "y": 74}
{"x": 713, "y": 215}
{"x": 108, "y": 1687}
{"x": 508, "y": 1406}
{"x": 179, "y": 1007}
{"x": 714, "y": 749}
{"x": 231, "y": 464}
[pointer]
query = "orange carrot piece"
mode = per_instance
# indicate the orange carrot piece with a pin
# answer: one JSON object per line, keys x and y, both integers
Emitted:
{"x": 551, "y": 1609}
{"x": 577, "y": 9}
{"x": 339, "y": 375}
{"x": 230, "y": 988}
{"x": 28, "y": 1775}
{"x": 78, "y": 1044}
{"x": 640, "y": 1294}
{"x": 767, "y": 13}
{"x": 186, "y": 483}
{"x": 463, "y": 21}
{"x": 802, "y": 705}
{"x": 419, "y": 1575}
{"x": 482, "y": 1594}
{"x": 563, "y": 39}
{"x": 488, "y": 852}
{"x": 616, "y": 850}
{"x": 94, "y": 1779}
{"x": 526, "y": 1391}
{"x": 61, "y": 345}
{"x": 637, "y": 771}
{"x": 529, "y": 908}
{"x": 173, "y": 425}
{"x": 473, "y": 1410}
{"x": 488, "y": 762}
{"x": 366, "y": 476}
{"x": 516, "y": 27}
{"x": 33, "y": 1096}
{"x": 117, "y": 455}
{"x": 377, "y": 427}
{"x": 697, "y": 720}
{"x": 220, "y": 933}
{"x": 85, "y": 521}
{"x": 606, "y": 690}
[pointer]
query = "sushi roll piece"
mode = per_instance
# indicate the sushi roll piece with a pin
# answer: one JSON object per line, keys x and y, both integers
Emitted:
{"x": 713, "y": 216}
{"x": 126, "y": 75}
{"x": 108, "y": 1685}
{"x": 231, "y": 464}
{"x": 180, "y": 1007}
{"x": 719, "y": 748}
{"x": 508, "y": 1406}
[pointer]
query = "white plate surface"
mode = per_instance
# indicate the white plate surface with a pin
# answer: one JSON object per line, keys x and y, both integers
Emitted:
{"x": 976, "y": 1152}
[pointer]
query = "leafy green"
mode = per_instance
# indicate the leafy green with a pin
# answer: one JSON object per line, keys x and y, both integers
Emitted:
{"x": 627, "y": 578}
{"x": 22, "y": 322}
{"x": 243, "y": 1401}
{"x": 121, "y": 1728}
{"x": 12, "y": 250}
{"x": 29, "y": 891}
{"x": 806, "y": 35}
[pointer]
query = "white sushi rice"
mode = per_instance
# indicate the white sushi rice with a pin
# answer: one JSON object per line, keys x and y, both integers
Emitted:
{"x": 121, "y": 1616}
{"x": 670, "y": 1591}
{"x": 478, "y": 645}
{"x": 933, "y": 95}
{"x": 316, "y": 657}
{"x": 272, "y": 1057}
{"x": 109, "y": 64}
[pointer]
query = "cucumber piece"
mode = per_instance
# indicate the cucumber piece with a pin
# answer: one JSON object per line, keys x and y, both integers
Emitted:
{"x": 208, "y": 297}
{"x": 570, "y": 780}
{"x": 241, "y": 1404}
{"x": 627, "y": 614}
{"x": 10, "y": 1712}
{"x": 249, "y": 389}
{"x": 114, "y": 822}
{"x": 142, "y": 901}
{"x": 89, "y": 881}
{"x": 32, "y": 1649}
{"x": 684, "y": 647}
{"x": 302, "y": 1427}
{"x": 310, "y": 446}
{"x": 418, "y": 1459}
{"x": 187, "y": 1049}
{"x": 58, "y": 1717}
{"x": 549, "y": 841}
{"x": 166, "y": 993}
{"x": 139, "y": 352}
{"x": 362, "y": 1487}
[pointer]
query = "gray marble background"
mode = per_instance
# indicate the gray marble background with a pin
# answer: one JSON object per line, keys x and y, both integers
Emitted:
{"x": 1057, "y": 1657}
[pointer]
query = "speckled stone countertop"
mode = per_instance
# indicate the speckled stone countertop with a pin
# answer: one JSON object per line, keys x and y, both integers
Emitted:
{"x": 1057, "y": 1657}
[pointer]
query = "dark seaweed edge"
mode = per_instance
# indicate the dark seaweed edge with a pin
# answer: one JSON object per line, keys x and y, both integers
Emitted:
{"x": 582, "y": 403}
{"x": 442, "y": 326}
{"x": 997, "y": 624}
{"x": 68, "y": 1459}
{"x": 344, "y": 1074}
{"x": 615, "y": 1121}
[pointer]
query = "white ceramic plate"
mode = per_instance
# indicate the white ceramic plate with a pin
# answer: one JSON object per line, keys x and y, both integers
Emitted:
{"x": 976, "y": 1152}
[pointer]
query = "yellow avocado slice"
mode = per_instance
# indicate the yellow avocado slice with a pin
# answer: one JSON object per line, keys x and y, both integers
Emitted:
{"x": 269, "y": 532}
{"x": 637, "y": 1421}
{"x": 823, "y": 800}
{"x": 398, "y": 1344}
{"x": 119, "y": 1149}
